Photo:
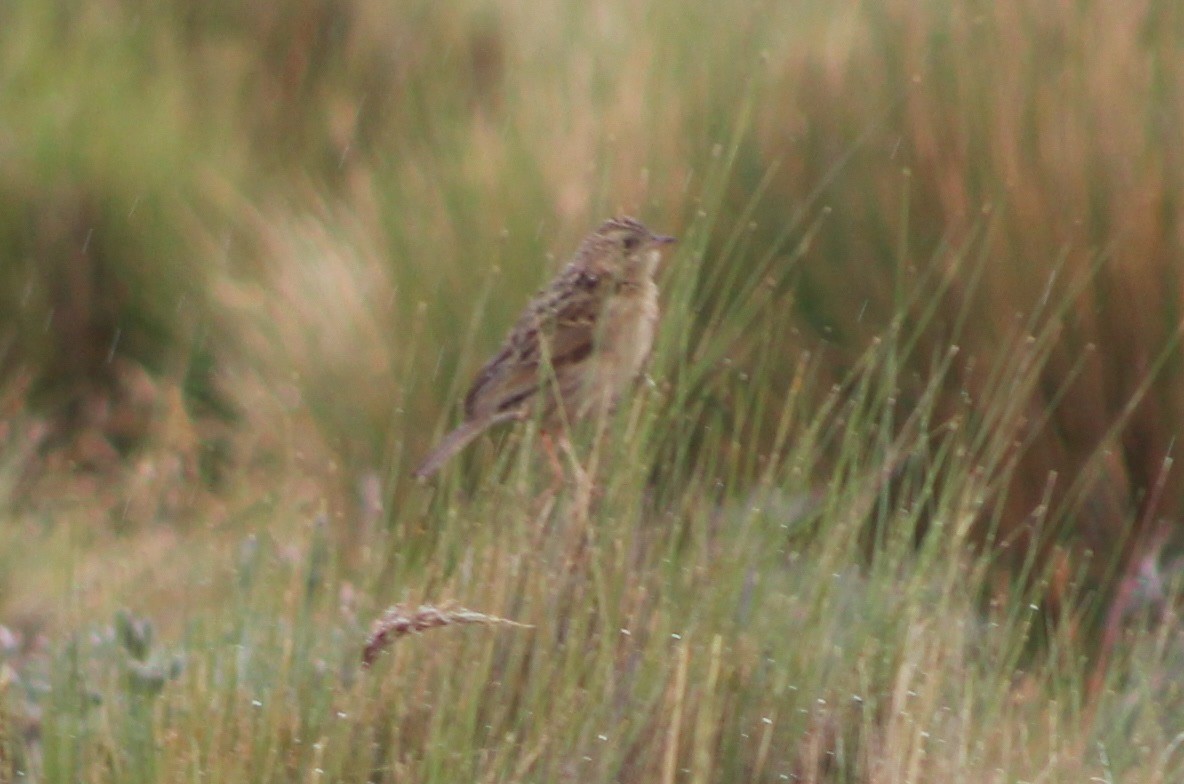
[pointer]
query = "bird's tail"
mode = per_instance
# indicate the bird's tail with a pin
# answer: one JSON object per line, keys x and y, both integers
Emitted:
{"x": 457, "y": 440}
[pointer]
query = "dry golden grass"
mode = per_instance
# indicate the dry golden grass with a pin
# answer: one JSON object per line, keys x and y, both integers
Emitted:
{"x": 1037, "y": 137}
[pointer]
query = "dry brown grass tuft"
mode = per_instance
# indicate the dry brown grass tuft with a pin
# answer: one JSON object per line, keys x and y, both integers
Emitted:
{"x": 400, "y": 621}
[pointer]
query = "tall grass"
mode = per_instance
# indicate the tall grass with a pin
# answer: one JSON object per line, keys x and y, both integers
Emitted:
{"x": 916, "y": 363}
{"x": 1053, "y": 124}
{"x": 694, "y": 635}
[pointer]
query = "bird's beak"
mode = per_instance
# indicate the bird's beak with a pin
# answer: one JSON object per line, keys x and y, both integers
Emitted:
{"x": 661, "y": 239}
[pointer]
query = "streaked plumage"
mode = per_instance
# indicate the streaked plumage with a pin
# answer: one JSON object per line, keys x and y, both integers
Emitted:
{"x": 583, "y": 340}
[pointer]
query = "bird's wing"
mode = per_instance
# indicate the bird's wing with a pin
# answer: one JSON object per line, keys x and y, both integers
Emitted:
{"x": 557, "y": 330}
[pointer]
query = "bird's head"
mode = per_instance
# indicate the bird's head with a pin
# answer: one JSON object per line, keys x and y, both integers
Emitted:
{"x": 625, "y": 248}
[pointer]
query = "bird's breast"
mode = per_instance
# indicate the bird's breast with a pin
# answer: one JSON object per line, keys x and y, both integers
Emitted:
{"x": 626, "y": 336}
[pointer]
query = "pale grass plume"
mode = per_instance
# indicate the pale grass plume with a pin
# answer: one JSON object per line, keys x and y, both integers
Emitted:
{"x": 401, "y": 620}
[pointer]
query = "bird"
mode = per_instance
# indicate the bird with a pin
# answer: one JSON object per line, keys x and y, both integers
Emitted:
{"x": 577, "y": 347}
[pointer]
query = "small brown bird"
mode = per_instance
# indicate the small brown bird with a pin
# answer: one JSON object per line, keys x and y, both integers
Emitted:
{"x": 581, "y": 342}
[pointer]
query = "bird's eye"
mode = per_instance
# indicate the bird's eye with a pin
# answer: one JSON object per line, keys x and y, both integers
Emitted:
{"x": 631, "y": 242}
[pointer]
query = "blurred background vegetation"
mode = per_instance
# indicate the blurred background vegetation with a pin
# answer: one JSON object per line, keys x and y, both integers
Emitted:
{"x": 250, "y": 253}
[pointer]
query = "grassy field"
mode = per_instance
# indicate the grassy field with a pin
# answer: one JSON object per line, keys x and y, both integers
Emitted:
{"x": 895, "y": 503}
